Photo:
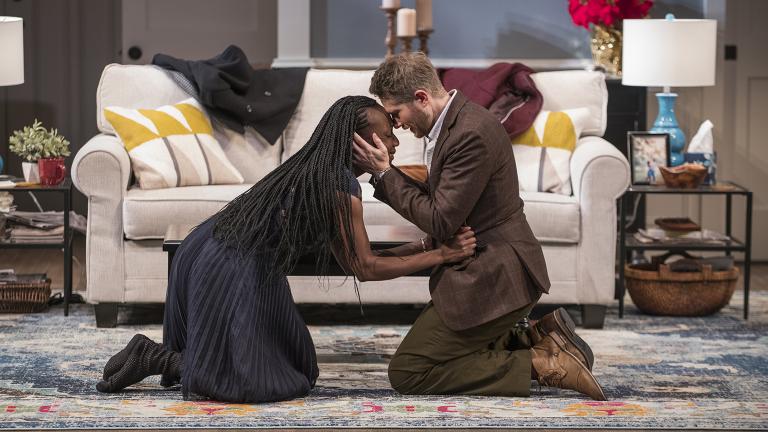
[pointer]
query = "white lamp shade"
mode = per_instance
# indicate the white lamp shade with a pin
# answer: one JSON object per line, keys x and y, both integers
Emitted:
{"x": 11, "y": 51}
{"x": 669, "y": 53}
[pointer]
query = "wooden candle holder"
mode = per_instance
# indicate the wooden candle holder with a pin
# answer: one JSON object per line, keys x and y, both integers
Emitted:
{"x": 390, "y": 41}
{"x": 406, "y": 43}
{"x": 424, "y": 37}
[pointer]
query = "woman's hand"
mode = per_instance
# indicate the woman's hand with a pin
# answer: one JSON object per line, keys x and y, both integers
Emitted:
{"x": 460, "y": 246}
{"x": 371, "y": 158}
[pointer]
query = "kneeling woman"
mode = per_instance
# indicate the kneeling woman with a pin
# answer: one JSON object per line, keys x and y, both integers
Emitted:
{"x": 231, "y": 329}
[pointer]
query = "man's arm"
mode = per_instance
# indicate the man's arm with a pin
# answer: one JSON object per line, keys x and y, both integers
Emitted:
{"x": 463, "y": 176}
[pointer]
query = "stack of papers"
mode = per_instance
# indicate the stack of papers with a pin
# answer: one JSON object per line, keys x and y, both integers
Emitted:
{"x": 22, "y": 234}
{"x": 49, "y": 219}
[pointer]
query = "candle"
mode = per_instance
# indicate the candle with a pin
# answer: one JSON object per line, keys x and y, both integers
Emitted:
{"x": 406, "y": 22}
{"x": 424, "y": 14}
{"x": 390, "y": 4}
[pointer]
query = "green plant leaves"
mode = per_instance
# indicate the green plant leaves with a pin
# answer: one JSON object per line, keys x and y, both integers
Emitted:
{"x": 35, "y": 142}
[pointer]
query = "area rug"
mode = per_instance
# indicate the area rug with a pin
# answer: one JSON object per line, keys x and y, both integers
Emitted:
{"x": 658, "y": 372}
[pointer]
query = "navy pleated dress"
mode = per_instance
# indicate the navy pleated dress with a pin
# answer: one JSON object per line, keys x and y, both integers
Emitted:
{"x": 242, "y": 337}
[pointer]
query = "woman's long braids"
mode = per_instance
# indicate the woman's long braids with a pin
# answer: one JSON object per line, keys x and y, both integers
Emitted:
{"x": 298, "y": 207}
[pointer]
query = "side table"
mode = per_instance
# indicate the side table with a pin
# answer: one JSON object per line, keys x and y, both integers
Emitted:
{"x": 64, "y": 188}
{"x": 729, "y": 189}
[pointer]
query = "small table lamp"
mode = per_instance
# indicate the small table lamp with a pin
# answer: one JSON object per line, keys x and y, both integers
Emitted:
{"x": 669, "y": 53}
{"x": 11, "y": 51}
{"x": 11, "y": 54}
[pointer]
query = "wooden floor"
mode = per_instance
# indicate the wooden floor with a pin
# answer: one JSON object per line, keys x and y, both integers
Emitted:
{"x": 51, "y": 261}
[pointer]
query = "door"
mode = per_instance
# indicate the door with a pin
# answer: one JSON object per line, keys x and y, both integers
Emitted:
{"x": 198, "y": 29}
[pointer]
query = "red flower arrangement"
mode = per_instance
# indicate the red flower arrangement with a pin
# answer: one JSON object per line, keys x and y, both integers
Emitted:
{"x": 607, "y": 12}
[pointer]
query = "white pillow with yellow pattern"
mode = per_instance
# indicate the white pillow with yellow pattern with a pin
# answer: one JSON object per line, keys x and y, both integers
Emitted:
{"x": 543, "y": 152}
{"x": 172, "y": 146}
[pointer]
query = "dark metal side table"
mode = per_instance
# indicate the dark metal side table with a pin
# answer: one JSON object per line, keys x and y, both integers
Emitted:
{"x": 64, "y": 188}
{"x": 729, "y": 189}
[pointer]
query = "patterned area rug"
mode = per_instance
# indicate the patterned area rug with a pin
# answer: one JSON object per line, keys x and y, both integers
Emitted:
{"x": 677, "y": 373}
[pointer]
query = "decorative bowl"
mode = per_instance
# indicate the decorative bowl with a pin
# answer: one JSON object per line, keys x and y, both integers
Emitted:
{"x": 685, "y": 176}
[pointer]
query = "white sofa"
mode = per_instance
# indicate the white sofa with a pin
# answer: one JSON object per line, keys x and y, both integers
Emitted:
{"x": 125, "y": 263}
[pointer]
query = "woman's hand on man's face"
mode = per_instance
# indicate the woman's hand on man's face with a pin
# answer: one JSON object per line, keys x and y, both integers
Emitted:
{"x": 371, "y": 158}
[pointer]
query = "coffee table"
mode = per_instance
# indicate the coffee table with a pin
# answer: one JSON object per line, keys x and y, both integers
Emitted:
{"x": 380, "y": 237}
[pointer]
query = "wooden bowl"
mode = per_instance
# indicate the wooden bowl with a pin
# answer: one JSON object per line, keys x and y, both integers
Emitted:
{"x": 685, "y": 176}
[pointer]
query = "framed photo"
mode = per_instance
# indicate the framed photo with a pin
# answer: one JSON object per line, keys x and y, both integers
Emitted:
{"x": 647, "y": 152}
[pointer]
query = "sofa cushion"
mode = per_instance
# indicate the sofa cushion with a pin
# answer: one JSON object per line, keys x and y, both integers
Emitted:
{"x": 571, "y": 89}
{"x": 249, "y": 152}
{"x": 141, "y": 86}
{"x": 148, "y": 213}
{"x": 553, "y": 218}
{"x": 322, "y": 88}
{"x": 134, "y": 86}
{"x": 172, "y": 146}
{"x": 543, "y": 152}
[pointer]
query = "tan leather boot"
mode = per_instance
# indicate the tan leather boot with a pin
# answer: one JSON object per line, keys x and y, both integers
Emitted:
{"x": 560, "y": 326}
{"x": 556, "y": 367}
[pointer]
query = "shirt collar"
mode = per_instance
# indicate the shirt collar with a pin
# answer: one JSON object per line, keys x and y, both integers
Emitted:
{"x": 435, "y": 132}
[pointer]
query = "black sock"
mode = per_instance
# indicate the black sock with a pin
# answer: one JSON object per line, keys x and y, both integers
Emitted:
{"x": 146, "y": 358}
{"x": 118, "y": 360}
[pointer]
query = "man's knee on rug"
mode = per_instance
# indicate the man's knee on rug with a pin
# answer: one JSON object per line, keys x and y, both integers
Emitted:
{"x": 404, "y": 375}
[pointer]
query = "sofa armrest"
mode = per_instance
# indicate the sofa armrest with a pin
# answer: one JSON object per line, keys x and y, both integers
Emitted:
{"x": 101, "y": 171}
{"x": 102, "y": 162}
{"x": 600, "y": 174}
{"x": 598, "y": 169}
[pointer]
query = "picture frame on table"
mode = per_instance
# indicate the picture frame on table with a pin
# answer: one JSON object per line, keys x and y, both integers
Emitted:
{"x": 647, "y": 152}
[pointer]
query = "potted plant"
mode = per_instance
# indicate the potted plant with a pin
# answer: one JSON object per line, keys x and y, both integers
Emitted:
{"x": 43, "y": 152}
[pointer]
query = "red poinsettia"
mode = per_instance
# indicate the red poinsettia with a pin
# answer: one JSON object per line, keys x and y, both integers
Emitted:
{"x": 607, "y": 12}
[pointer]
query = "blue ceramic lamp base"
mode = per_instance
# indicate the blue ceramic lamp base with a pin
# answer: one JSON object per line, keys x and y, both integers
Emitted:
{"x": 667, "y": 122}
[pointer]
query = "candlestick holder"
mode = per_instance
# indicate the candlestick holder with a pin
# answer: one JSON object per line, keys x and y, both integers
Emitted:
{"x": 406, "y": 43}
{"x": 390, "y": 40}
{"x": 424, "y": 37}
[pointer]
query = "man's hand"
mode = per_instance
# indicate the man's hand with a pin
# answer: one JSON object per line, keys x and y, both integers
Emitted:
{"x": 370, "y": 158}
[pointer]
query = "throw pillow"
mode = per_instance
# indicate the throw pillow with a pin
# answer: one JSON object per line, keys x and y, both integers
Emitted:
{"x": 172, "y": 146}
{"x": 543, "y": 152}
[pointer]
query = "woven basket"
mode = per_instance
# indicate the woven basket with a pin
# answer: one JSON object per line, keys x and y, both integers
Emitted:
{"x": 656, "y": 290}
{"x": 24, "y": 297}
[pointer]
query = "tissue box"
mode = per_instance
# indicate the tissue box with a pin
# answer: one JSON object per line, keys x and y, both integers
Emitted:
{"x": 709, "y": 160}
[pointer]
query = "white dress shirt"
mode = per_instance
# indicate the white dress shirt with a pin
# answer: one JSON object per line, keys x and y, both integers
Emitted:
{"x": 431, "y": 138}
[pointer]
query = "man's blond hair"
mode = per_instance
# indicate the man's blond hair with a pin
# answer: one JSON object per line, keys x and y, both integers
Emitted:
{"x": 399, "y": 76}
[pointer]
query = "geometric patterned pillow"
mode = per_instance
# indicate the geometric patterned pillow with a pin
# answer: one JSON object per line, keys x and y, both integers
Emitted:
{"x": 543, "y": 152}
{"x": 172, "y": 146}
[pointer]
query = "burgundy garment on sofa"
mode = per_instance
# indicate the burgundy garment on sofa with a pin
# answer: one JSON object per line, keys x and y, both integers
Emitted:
{"x": 505, "y": 89}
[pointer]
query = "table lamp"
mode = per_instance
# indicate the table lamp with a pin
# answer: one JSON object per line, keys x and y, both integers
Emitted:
{"x": 669, "y": 53}
{"x": 11, "y": 54}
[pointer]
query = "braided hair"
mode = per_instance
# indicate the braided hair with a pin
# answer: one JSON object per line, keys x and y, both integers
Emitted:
{"x": 297, "y": 208}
